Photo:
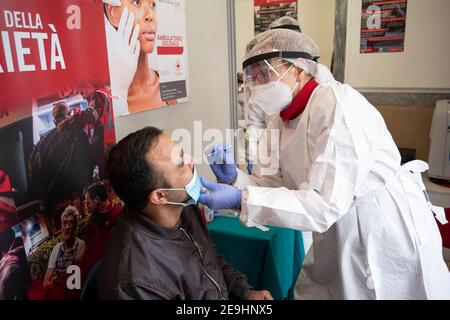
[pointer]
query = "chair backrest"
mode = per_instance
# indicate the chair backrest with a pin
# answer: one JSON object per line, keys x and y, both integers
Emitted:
{"x": 89, "y": 291}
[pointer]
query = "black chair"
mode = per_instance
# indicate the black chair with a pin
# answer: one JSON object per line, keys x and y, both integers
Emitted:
{"x": 89, "y": 291}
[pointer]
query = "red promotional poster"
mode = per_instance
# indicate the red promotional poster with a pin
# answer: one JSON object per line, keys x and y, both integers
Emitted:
{"x": 56, "y": 127}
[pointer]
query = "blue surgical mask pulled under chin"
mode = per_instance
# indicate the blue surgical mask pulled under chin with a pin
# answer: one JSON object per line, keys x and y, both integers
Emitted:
{"x": 193, "y": 189}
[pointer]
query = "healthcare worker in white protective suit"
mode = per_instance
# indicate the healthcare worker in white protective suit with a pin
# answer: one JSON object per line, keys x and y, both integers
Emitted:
{"x": 375, "y": 235}
{"x": 256, "y": 118}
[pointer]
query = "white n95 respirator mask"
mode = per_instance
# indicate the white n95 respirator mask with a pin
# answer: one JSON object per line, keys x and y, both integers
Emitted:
{"x": 272, "y": 97}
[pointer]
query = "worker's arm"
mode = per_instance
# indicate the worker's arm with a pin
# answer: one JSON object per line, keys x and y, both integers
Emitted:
{"x": 266, "y": 170}
{"x": 339, "y": 162}
{"x": 258, "y": 179}
{"x": 256, "y": 123}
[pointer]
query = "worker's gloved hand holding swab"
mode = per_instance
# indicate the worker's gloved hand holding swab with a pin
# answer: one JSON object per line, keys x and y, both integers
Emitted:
{"x": 221, "y": 160}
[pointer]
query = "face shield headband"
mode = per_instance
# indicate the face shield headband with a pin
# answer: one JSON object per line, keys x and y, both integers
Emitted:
{"x": 278, "y": 54}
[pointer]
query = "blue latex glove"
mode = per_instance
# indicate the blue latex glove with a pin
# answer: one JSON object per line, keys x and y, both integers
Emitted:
{"x": 221, "y": 160}
{"x": 220, "y": 196}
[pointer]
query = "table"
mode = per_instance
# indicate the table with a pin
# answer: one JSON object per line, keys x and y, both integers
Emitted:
{"x": 271, "y": 260}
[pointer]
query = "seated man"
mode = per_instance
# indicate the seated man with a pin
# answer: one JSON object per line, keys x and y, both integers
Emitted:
{"x": 159, "y": 248}
{"x": 64, "y": 254}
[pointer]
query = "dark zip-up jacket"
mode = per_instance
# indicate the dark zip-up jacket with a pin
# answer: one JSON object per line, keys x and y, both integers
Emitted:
{"x": 146, "y": 261}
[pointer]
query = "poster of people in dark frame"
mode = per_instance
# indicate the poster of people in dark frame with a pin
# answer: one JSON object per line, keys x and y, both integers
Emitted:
{"x": 383, "y": 25}
{"x": 54, "y": 140}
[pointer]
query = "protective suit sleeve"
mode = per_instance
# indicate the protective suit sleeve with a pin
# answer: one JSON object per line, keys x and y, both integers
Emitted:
{"x": 266, "y": 169}
{"x": 256, "y": 125}
{"x": 332, "y": 180}
{"x": 245, "y": 180}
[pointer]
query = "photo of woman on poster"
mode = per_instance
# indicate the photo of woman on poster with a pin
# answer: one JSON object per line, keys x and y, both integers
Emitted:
{"x": 131, "y": 32}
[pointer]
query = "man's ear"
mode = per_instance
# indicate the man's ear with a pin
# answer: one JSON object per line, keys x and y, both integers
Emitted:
{"x": 157, "y": 197}
{"x": 113, "y": 14}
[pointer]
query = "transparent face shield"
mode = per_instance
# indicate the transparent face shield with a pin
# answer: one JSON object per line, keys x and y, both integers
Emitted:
{"x": 262, "y": 70}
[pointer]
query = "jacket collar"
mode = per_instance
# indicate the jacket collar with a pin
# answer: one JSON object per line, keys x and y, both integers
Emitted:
{"x": 142, "y": 223}
{"x": 300, "y": 102}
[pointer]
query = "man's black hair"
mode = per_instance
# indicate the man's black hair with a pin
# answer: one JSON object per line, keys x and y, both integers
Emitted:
{"x": 131, "y": 174}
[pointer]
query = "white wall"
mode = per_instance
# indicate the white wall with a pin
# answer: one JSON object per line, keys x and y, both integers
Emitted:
{"x": 423, "y": 66}
{"x": 209, "y": 101}
{"x": 316, "y": 19}
{"x": 245, "y": 29}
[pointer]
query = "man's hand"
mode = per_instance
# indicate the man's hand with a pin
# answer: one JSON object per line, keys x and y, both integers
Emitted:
{"x": 258, "y": 295}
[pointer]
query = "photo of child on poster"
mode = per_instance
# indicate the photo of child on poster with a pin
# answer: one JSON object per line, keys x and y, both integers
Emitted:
{"x": 140, "y": 77}
{"x": 56, "y": 207}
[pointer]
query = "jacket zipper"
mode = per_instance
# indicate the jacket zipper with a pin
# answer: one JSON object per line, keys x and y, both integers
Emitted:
{"x": 203, "y": 265}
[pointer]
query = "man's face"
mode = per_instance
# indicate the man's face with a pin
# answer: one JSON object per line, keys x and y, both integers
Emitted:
{"x": 68, "y": 227}
{"x": 176, "y": 167}
{"x": 91, "y": 204}
{"x": 6, "y": 222}
{"x": 145, "y": 15}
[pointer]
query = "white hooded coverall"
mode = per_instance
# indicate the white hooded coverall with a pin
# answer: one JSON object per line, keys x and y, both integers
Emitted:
{"x": 374, "y": 232}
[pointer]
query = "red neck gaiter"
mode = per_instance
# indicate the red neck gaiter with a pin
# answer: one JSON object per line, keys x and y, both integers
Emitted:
{"x": 299, "y": 103}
